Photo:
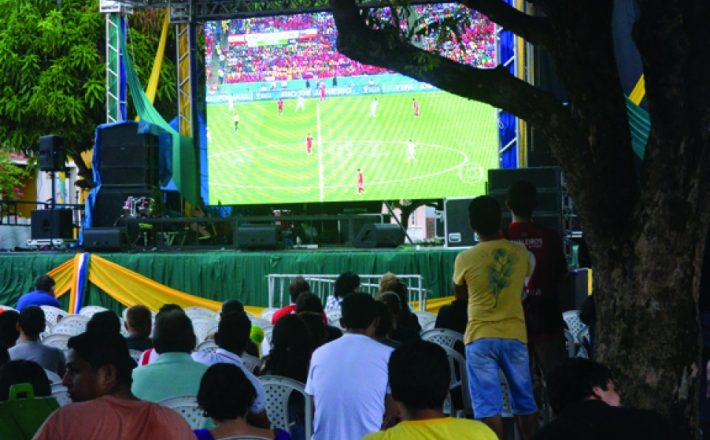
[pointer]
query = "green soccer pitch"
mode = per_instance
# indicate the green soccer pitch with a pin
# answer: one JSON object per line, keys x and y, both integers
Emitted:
{"x": 455, "y": 142}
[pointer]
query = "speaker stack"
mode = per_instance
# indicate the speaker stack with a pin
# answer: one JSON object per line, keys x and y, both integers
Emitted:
{"x": 128, "y": 167}
{"x": 379, "y": 235}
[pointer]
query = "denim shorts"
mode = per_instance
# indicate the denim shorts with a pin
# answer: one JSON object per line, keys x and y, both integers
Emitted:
{"x": 485, "y": 359}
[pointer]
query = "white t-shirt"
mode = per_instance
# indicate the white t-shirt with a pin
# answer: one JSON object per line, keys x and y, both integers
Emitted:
{"x": 348, "y": 381}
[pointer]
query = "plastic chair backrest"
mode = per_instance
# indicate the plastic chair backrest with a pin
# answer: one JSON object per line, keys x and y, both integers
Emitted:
{"x": 442, "y": 336}
{"x": 71, "y": 325}
{"x": 53, "y": 377}
{"x": 188, "y": 408}
{"x": 20, "y": 418}
{"x": 209, "y": 346}
{"x": 267, "y": 314}
{"x": 459, "y": 378}
{"x": 59, "y": 341}
{"x": 278, "y": 389}
{"x": 574, "y": 324}
{"x": 204, "y": 327}
{"x": 251, "y": 363}
{"x": 52, "y": 315}
{"x": 91, "y": 310}
{"x": 427, "y": 320}
{"x": 135, "y": 355}
{"x": 199, "y": 312}
{"x": 61, "y": 394}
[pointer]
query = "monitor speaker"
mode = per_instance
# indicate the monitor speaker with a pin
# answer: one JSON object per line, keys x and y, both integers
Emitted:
{"x": 376, "y": 235}
{"x": 108, "y": 207}
{"x": 51, "y": 223}
{"x": 258, "y": 237}
{"x": 127, "y": 157}
{"x": 457, "y": 232}
{"x": 52, "y": 156}
{"x": 102, "y": 239}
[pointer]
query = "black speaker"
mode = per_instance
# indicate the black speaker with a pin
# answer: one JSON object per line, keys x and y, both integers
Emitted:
{"x": 52, "y": 156}
{"x": 376, "y": 235}
{"x": 127, "y": 157}
{"x": 108, "y": 207}
{"x": 51, "y": 223}
{"x": 102, "y": 239}
{"x": 258, "y": 237}
{"x": 457, "y": 232}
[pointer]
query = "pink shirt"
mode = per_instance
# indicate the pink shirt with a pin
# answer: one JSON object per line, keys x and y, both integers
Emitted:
{"x": 109, "y": 418}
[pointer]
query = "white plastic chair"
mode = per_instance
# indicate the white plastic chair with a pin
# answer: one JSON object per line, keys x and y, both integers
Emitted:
{"x": 442, "y": 336}
{"x": 278, "y": 389}
{"x": 61, "y": 393}
{"x": 52, "y": 315}
{"x": 53, "y": 377}
{"x": 204, "y": 327}
{"x": 459, "y": 378}
{"x": 334, "y": 318}
{"x": 426, "y": 319}
{"x": 57, "y": 341}
{"x": 199, "y": 312}
{"x": 578, "y": 330}
{"x": 267, "y": 314}
{"x": 259, "y": 322}
{"x": 251, "y": 363}
{"x": 209, "y": 346}
{"x": 135, "y": 355}
{"x": 91, "y": 310}
{"x": 71, "y": 325}
{"x": 188, "y": 408}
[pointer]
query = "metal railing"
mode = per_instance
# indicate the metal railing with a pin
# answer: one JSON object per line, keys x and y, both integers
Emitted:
{"x": 322, "y": 285}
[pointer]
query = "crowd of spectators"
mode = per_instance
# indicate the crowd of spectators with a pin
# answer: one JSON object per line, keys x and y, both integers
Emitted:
{"x": 311, "y": 56}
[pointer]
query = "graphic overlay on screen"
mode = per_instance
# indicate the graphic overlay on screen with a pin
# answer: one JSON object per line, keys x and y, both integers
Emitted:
{"x": 292, "y": 120}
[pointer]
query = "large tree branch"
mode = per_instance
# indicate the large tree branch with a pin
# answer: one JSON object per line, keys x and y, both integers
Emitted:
{"x": 536, "y": 30}
{"x": 493, "y": 86}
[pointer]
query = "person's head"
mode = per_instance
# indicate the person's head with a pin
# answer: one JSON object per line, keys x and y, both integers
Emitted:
{"x": 225, "y": 393}
{"x": 168, "y": 308}
{"x": 231, "y": 306}
{"x": 8, "y": 328}
{"x": 581, "y": 379}
{"x": 98, "y": 364}
{"x": 391, "y": 300}
{"x": 386, "y": 320}
{"x": 173, "y": 333}
{"x": 297, "y": 286}
{"x": 315, "y": 324}
{"x": 22, "y": 371}
{"x": 522, "y": 198}
{"x": 308, "y": 302}
{"x": 358, "y": 312}
{"x": 291, "y": 348}
{"x": 106, "y": 321}
{"x": 346, "y": 284}
{"x": 419, "y": 376}
{"x": 386, "y": 280}
{"x": 484, "y": 215}
{"x": 31, "y": 322}
{"x": 45, "y": 283}
{"x": 139, "y": 321}
{"x": 400, "y": 289}
{"x": 233, "y": 332}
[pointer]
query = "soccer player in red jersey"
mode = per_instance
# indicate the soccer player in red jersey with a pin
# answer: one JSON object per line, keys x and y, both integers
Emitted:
{"x": 280, "y": 104}
{"x": 322, "y": 92}
{"x": 415, "y": 107}
{"x": 309, "y": 143}
{"x": 360, "y": 182}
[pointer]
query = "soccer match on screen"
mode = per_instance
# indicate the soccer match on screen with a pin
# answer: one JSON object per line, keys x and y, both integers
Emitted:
{"x": 290, "y": 119}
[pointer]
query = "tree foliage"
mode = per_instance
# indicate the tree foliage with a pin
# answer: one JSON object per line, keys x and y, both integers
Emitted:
{"x": 53, "y": 72}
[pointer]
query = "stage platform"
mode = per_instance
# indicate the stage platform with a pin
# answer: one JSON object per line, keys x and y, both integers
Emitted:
{"x": 220, "y": 275}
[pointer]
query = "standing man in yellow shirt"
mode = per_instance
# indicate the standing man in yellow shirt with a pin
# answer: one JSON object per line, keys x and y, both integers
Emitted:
{"x": 492, "y": 275}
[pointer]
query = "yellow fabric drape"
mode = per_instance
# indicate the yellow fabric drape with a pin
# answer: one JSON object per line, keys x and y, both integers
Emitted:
{"x": 639, "y": 91}
{"x": 131, "y": 288}
{"x": 152, "y": 87}
{"x": 76, "y": 265}
{"x": 63, "y": 276}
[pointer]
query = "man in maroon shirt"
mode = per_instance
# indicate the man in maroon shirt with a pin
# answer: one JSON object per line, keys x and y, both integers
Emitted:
{"x": 543, "y": 317}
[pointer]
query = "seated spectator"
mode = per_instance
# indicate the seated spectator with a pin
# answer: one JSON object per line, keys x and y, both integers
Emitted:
{"x": 297, "y": 286}
{"x": 385, "y": 326}
{"x": 345, "y": 284}
{"x": 291, "y": 348}
{"x": 226, "y": 396}
{"x": 419, "y": 377}
{"x": 315, "y": 324}
{"x": 398, "y": 334}
{"x": 43, "y": 295}
{"x": 231, "y": 337}
{"x": 174, "y": 372}
{"x": 405, "y": 318}
{"x": 308, "y": 302}
{"x": 8, "y": 328}
{"x": 386, "y": 280}
{"x": 230, "y": 306}
{"x": 4, "y": 355}
{"x": 15, "y": 372}
{"x": 150, "y": 355}
{"x": 104, "y": 322}
{"x": 99, "y": 379}
{"x": 31, "y": 324}
{"x": 139, "y": 324}
{"x": 584, "y": 397}
{"x": 348, "y": 377}
{"x": 454, "y": 316}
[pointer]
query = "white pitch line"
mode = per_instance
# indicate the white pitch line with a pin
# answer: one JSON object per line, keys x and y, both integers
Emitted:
{"x": 321, "y": 182}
